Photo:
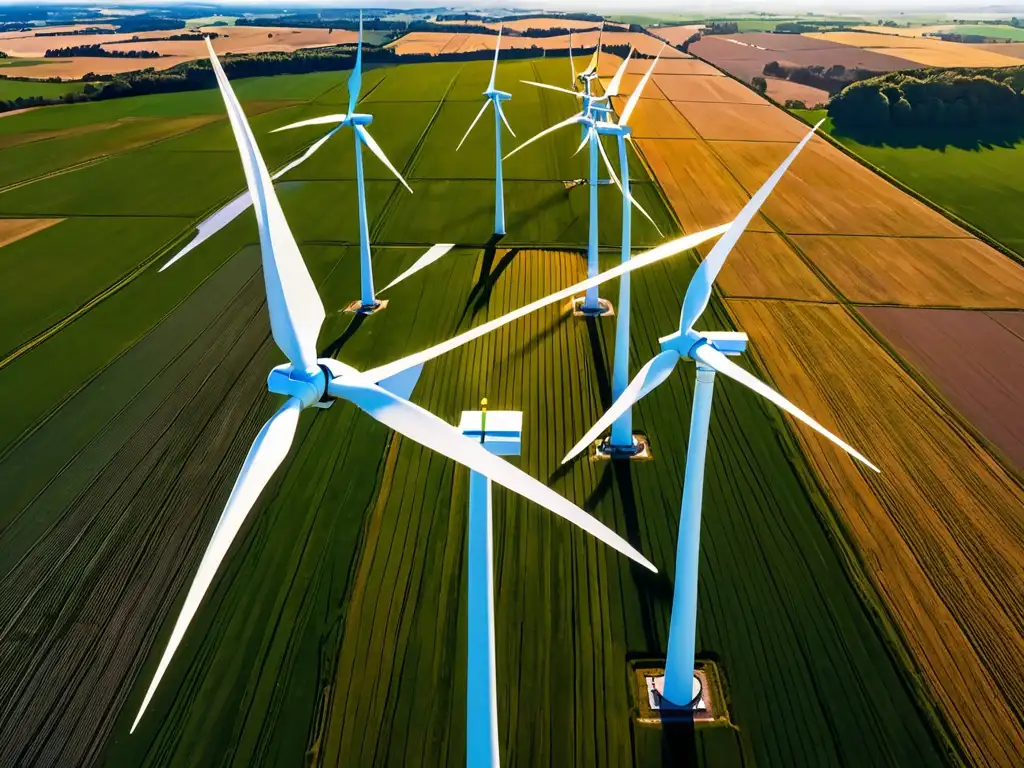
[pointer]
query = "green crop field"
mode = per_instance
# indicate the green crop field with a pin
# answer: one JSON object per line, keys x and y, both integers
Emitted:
{"x": 995, "y": 31}
{"x": 12, "y": 89}
{"x": 335, "y": 633}
{"x": 988, "y": 179}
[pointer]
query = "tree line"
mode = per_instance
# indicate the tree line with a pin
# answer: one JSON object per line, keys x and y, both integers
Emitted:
{"x": 832, "y": 79}
{"x": 96, "y": 50}
{"x": 930, "y": 99}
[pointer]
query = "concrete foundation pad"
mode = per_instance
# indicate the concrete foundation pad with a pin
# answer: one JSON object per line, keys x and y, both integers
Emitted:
{"x": 605, "y": 308}
{"x": 602, "y": 449}
{"x": 357, "y": 308}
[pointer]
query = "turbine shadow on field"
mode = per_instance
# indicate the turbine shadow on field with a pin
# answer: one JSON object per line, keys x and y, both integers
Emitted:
{"x": 332, "y": 349}
{"x": 542, "y": 337}
{"x": 678, "y": 743}
{"x": 480, "y": 295}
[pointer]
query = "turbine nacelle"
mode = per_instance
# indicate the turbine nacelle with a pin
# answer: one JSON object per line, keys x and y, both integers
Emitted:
{"x": 358, "y": 119}
{"x": 496, "y": 95}
{"x": 605, "y": 128}
{"x": 729, "y": 343}
{"x": 306, "y": 386}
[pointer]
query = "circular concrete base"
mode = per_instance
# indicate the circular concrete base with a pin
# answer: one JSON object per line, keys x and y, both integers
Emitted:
{"x": 604, "y": 308}
{"x": 357, "y": 307}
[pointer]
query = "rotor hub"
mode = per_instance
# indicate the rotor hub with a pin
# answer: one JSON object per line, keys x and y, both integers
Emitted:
{"x": 358, "y": 118}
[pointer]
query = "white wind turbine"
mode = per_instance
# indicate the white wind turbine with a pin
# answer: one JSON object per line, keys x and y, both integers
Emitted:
{"x": 593, "y": 108}
{"x": 709, "y": 351}
{"x": 494, "y": 98}
{"x": 363, "y": 138}
{"x": 621, "y": 439}
{"x": 296, "y": 316}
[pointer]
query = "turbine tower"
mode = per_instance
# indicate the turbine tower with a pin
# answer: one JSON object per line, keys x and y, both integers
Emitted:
{"x": 710, "y": 352}
{"x": 494, "y": 98}
{"x": 594, "y": 107}
{"x": 621, "y": 440}
{"x": 358, "y": 121}
{"x": 296, "y": 316}
{"x": 500, "y": 432}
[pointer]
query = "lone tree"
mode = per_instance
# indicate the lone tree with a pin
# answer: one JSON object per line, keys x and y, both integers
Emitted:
{"x": 759, "y": 84}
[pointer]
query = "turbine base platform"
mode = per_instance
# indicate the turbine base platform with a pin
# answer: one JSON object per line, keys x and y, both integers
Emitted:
{"x": 358, "y": 308}
{"x": 652, "y": 708}
{"x": 604, "y": 308}
{"x": 639, "y": 451}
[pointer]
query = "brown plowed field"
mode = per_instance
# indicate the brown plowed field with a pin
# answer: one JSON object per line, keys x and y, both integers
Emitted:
{"x": 1013, "y": 50}
{"x": 746, "y": 57}
{"x": 974, "y": 360}
{"x": 762, "y": 265}
{"x": 521, "y": 25}
{"x": 12, "y": 230}
{"x": 677, "y": 35}
{"x": 742, "y": 122}
{"x": 927, "y": 51}
{"x": 953, "y": 272}
{"x": 940, "y": 531}
{"x": 705, "y": 89}
{"x": 827, "y": 192}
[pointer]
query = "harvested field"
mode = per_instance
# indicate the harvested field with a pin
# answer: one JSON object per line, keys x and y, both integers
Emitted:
{"x": 847, "y": 197}
{"x": 656, "y": 119}
{"x": 421, "y": 42}
{"x": 12, "y": 230}
{"x": 953, "y": 272}
{"x": 973, "y": 358}
{"x": 706, "y": 89}
{"x": 1013, "y": 50}
{"x": 741, "y": 122}
{"x": 521, "y": 25}
{"x": 747, "y": 61}
{"x": 676, "y": 66}
{"x": 697, "y": 185}
{"x": 677, "y": 35}
{"x": 940, "y": 531}
{"x": 763, "y": 265}
{"x": 784, "y": 90}
{"x": 931, "y": 53}
{"x": 78, "y": 67}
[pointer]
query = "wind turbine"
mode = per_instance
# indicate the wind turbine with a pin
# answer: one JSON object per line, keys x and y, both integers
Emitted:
{"x": 710, "y": 352}
{"x": 494, "y": 98}
{"x": 587, "y": 117}
{"x": 621, "y": 440}
{"x": 358, "y": 121}
{"x": 296, "y": 316}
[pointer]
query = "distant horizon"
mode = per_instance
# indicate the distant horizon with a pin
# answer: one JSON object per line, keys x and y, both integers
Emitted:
{"x": 652, "y": 7}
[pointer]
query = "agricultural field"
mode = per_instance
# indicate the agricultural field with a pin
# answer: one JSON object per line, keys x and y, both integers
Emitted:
{"x": 976, "y": 359}
{"x": 534, "y": 22}
{"x": 996, "y": 31}
{"x": 336, "y": 630}
{"x": 462, "y": 42}
{"x": 939, "y": 531}
{"x": 923, "y": 51}
{"x": 13, "y": 89}
{"x": 987, "y": 179}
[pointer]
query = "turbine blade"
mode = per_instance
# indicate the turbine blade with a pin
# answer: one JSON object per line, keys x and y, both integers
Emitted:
{"x": 494, "y": 67}
{"x": 367, "y": 139}
{"x": 296, "y": 312}
{"x": 663, "y": 251}
{"x": 634, "y": 97}
{"x": 402, "y": 383}
{"x": 550, "y": 87}
{"x": 545, "y": 132}
{"x": 586, "y": 140}
{"x": 268, "y": 450}
{"x": 592, "y": 66}
{"x": 615, "y": 179}
{"x": 355, "y": 80}
{"x": 428, "y": 258}
{"x": 432, "y": 432}
{"x": 616, "y": 83}
{"x": 217, "y": 221}
{"x": 711, "y": 357}
{"x": 501, "y": 114}
{"x": 698, "y": 292}
{"x": 471, "y": 125}
{"x": 647, "y": 378}
{"x": 572, "y": 63}
{"x": 323, "y": 120}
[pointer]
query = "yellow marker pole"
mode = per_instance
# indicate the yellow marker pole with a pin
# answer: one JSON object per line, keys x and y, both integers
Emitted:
{"x": 483, "y": 418}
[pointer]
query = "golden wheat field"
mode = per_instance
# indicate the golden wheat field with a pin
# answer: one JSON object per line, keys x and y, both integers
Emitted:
{"x": 940, "y": 531}
{"x": 953, "y": 272}
{"x": 705, "y": 89}
{"x": 12, "y": 230}
{"x": 656, "y": 119}
{"x": 827, "y": 192}
{"x": 741, "y": 122}
{"x": 763, "y": 265}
